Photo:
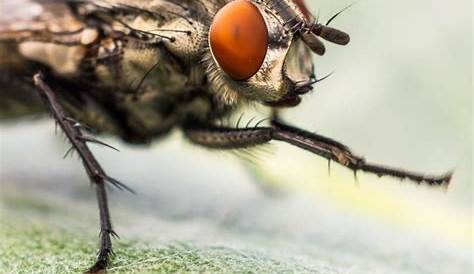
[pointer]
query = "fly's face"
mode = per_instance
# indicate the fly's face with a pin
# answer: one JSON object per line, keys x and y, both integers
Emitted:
{"x": 261, "y": 51}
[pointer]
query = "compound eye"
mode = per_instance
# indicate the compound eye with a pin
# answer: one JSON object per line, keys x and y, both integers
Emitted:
{"x": 239, "y": 39}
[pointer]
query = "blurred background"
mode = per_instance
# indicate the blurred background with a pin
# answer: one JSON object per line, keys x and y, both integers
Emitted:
{"x": 401, "y": 95}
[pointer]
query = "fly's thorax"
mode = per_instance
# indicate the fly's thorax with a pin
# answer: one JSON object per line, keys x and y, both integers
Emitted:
{"x": 167, "y": 63}
{"x": 181, "y": 27}
{"x": 167, "y": 55}
{"x": 131, "y": 68}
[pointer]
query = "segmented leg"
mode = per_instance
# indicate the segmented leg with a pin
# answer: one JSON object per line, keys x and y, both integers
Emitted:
{"x": 234, "y": 138}
{"x": 94, "y": 170}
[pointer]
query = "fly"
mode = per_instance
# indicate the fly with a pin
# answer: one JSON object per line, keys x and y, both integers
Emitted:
{"x": 138, "y": 69}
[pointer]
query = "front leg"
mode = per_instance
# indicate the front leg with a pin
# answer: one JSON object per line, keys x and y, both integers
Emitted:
{"x": 72, "y": 130}
{"x": 235, "y": 138}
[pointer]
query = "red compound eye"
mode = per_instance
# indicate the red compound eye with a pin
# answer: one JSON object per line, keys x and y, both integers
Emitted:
{"x": 239, "y": 39}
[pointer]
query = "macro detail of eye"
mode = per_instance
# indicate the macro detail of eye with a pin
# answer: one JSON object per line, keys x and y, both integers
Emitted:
{"x": 238, "y": 39}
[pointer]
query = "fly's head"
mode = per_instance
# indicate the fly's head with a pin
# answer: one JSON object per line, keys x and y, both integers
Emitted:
{"x": 261, "y": 50}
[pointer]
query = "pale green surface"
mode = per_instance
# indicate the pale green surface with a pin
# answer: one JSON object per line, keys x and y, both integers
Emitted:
{"x": 30, "y": 244}
{"x": 44, "y": 251}
{"x": 34, "y": 249}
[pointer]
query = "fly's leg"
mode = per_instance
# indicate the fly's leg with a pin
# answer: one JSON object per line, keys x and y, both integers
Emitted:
{"x": 235, "y": 138}
{"x": 94, "y": 170}
{"x": 335, "y": 151}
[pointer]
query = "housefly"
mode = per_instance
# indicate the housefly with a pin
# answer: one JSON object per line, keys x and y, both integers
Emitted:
{"x": 138, "y": 69}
